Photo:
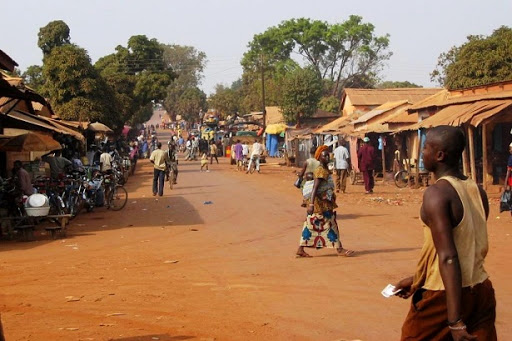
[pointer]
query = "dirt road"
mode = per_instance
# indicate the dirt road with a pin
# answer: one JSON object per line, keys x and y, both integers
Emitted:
{"x": 177, "y": 268}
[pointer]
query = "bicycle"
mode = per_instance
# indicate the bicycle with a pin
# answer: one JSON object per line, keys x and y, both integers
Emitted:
{"x": 116, "y": 195}
{"x": 252, "y": 164}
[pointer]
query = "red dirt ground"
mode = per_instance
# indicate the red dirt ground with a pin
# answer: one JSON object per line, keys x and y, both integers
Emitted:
{"x": 177, "y": 269}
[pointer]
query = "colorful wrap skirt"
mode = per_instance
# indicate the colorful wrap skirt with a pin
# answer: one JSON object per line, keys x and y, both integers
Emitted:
{"x": 320, "y": 230}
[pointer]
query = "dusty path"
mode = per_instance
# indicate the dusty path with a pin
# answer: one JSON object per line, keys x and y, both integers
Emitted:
{"x": 178, "y": 269}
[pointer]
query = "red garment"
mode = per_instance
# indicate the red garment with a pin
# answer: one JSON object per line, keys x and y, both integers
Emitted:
{"x": 366, "y": 156}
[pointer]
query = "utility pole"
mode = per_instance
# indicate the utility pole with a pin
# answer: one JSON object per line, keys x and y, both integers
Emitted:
{"x": 263, "y": 93}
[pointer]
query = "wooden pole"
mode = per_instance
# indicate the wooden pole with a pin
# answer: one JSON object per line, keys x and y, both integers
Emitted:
{"x": 383, "y": 155}
{"x": 484, "y": 155}
{"x": 417, "y": 175}
{"x": 472, "y": 152}
{"x": 465, "y": 161}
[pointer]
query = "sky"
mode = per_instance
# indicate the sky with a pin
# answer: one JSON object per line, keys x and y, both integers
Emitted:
{"x": 419, "y": 30}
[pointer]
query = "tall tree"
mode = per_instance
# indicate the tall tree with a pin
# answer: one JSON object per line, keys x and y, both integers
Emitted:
{"x": 139, "y": 74}
{"x": 339, "y": 53}
{"x": 191, "y": 101}
{"x": 55, "y": 34}
{"x": 33, "y": 77}
{"x": 188, "y": 65}
{"x": 302, "y": 90}
{"x": 75, "y": 88}
{"x": 481, "y": 60}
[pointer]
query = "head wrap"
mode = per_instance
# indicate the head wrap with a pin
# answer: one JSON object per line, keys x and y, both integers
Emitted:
{"x": 366, "y": 139}
{"x": 319, "y": 151}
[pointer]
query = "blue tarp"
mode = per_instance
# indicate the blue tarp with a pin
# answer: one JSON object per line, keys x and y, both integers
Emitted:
{"x": 272, "y": 144}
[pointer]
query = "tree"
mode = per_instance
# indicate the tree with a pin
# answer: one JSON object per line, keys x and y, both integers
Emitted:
{"x": 338, "y": 53}
{"x": 481, "y": 60}
{"x": 55, "y": 34}
{"x": 191, "y": 101}
{"x": 225, "y": 100}
{"x": 33, "y": 77}
{"x": 395, "y": 84}
{"x": 139, "y": 75}
{"x": 75, "y": 89}
{"x": 302, "y": 90}
{"x": 330, "y": 104}
{"x": 188, "y": 65}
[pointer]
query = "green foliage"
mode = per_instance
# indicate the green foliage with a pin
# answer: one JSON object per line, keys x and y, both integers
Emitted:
{"x": 302, "y": 90}
{"x": 139, "y": 75}
{"x": 342, "y": 54}
{"x": 75, "y": 89}
{"x": 396, "y": 84}
{"x": 33, "y": 77}
{"x": 225, "y": 100}
{"x": 481, "y": 60}
{"x": 55, "y": 34}
{"x": 188, "y": 65}
{"x": 191, "y": 101}
{"x": 330, "y": 104}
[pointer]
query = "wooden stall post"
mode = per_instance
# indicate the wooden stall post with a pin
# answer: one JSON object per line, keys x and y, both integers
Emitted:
{"x": 383, "y": 155}
{"x": 484, "y": 156}
{"x": 472, "y": 152}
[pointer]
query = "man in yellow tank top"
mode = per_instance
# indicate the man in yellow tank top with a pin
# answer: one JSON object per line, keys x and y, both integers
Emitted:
{"x": 452, "y": 296}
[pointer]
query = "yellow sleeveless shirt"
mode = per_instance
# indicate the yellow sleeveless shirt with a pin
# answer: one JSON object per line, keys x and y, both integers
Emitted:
{"x": 470, "y": 238}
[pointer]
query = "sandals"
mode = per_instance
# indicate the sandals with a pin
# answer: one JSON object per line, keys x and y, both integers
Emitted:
{"x": 303, "y": 254}
{"x": 345, "y": 252}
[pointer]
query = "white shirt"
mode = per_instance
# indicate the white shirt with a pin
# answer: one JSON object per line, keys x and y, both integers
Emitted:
{"x": 341, "y": 156}
{"x": 257, "y": 149}
{"x": 245, "y": 149}
{"x": 106, "y": 162}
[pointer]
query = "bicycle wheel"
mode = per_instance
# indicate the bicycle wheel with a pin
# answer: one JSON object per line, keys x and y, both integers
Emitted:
{"x": 118, "y": 197}
{"x": 253, "y": 166}
{"x": 402, "y": 179}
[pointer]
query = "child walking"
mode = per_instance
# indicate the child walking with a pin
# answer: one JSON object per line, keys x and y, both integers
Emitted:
{"x": 204, "y": 162}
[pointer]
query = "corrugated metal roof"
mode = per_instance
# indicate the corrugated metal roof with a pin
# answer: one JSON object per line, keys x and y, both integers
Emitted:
{"x": 380, "y": 96}
{"x": 333, "y": 126}
{"x": 379, "y": 110}
{"x": 457, "y": 114}
{"x": 274, "y": 115}
{"x": 450, "y": 97}
{"x": 402, "y": 116}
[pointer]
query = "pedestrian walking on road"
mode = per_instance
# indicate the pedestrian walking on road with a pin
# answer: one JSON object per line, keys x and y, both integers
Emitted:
{"x": 213, "y": 152}
{"x": 159, "y": 159}
{"x": 204, "y": 162}
{"x": 342, "y": 166}
{"x": 310, "y": 166}
{"x": 452, "y": 296}
{"x": 366, "y": 157}
{"x": 257, "y": 151}
{"x": 320, "y": 228}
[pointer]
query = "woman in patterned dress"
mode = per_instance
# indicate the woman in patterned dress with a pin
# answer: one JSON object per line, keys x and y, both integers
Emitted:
{"x": 320, "y": 228}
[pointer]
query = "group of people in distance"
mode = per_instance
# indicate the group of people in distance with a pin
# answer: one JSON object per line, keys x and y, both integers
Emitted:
{"x": 452, "y": 296}
{"x": 242, "y": 153}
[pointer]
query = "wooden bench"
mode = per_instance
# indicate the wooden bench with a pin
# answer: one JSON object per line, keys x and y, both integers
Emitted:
{"x": 62, "y": 221}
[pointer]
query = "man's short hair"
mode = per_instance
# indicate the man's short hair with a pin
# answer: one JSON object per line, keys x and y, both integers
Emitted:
{"x": 159, "y": 144}
{"x": 450, "y": 140}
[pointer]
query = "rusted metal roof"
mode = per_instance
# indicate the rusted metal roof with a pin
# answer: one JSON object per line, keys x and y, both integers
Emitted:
{"x": 333, "y": 126}
{"x": 501, "y": 90}
{"x": 6, "y": 62}
{"x": 381, "y": 96}
{"x": 458, "y": 114}
{"x": 402, "y": 116}
{"x": 379, "y": 110}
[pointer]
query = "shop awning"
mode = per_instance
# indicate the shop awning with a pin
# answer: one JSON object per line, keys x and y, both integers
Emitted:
{"x": 275, "y": 128}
